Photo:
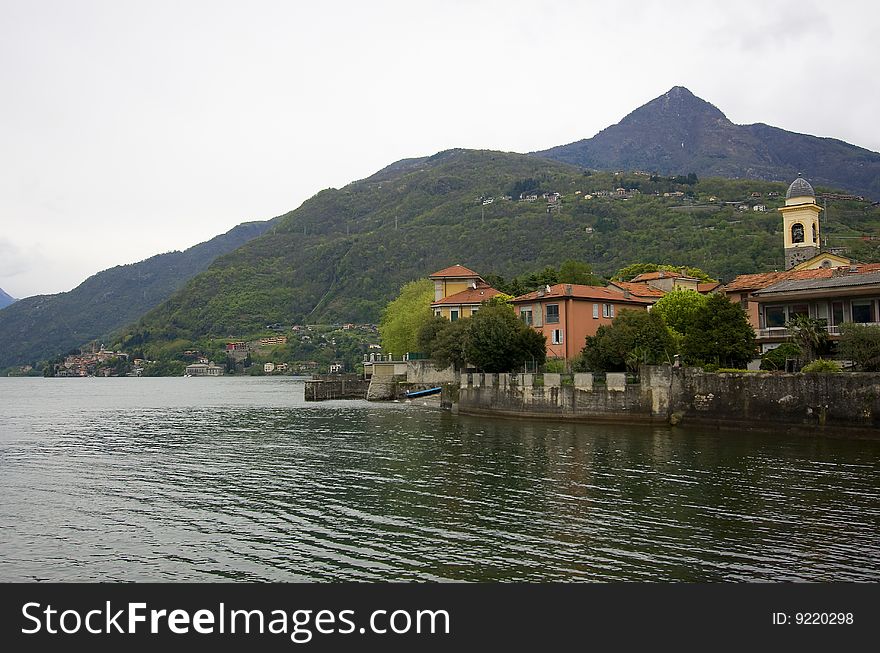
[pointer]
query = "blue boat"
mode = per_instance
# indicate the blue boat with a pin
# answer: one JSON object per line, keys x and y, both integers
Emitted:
{"x": 423, "y": 393}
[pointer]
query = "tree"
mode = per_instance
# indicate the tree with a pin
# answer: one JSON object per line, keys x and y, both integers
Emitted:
{"x": 721, "y": 334}
{"x": 776, "y": 357}
{"x": 634, "y": 337}
{"x": 860, "y": 343}
{"x": 629, "y": 272}
{"x": 497, "y": 341}
{"x": 403, "y": 317}
{"x": 428, "y": 333}
{"x": 678, "y": 308}
{"x": 809, "y": 334}
{"x": 447, "y": 348}
{"x": 578, "y": 272}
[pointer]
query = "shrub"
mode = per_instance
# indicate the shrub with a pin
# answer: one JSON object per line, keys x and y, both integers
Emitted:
{"x": 860, "y": 343}
{"x": 821, "y": 366}
{"x": 775, "y": 358}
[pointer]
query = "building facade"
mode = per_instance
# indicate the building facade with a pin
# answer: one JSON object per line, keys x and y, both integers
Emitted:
{"x": 567, "y": 313}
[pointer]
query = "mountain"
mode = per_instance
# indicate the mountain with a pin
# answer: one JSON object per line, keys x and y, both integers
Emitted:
{"x": 44, "y": 326}
{"x": 678, "y": 133}
{"x": 343, "y": 254}
{"x": 6, "y": 299}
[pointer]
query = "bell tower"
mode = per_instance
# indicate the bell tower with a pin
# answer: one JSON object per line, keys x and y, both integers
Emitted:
{"x": 800, "y": 223}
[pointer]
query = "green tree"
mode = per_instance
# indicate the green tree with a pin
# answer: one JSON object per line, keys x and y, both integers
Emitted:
{"x": 633, "y": 338}
{"x": 809, "y": 334}
{"x": 403, "y": 317}
{"x": 497, "y": 341}
{"x": 448, "y": 345}
{"x": 860, "y": 343}
{"x": 678, "y": 308}
{"x": 578, "y": 272}
{"x": 629, "y": 272}
{"x": 721, "y": 334}
{"x": 428, "y": 333}
{"x": 776, "y": 357}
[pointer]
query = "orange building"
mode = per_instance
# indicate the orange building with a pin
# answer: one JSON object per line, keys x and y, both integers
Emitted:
{"x": 567, "y": 313}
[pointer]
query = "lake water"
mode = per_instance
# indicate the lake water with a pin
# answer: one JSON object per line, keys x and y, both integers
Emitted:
{"x": 240, "y": 479}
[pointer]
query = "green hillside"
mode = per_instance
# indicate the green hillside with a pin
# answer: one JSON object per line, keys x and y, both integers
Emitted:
{"x": 344, "y": 253}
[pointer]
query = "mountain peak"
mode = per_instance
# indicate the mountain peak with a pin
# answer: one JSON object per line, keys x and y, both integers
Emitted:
{"x": 677, "y": 104}
{"x": 678, "y": 133}
{"x": 5, "y": 298}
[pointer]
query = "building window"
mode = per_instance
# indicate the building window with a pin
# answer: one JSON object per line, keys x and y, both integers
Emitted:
{"x": 437, "y": 312}
{"x": 798, "y": 310}
{"x": 797, "y": 233}
{"x": 595, "y": 311}
{"x": 556, "y": 337}
{"x": 607, "y": 310}
{"x": 474, "y": 310}
{"x": 861, "y": 311}
{"x": 525, "y": 315}
{"x": 774, "y": 316}
{"x": 552, "y": 313}
{"x": 453, "y": 316}
{"x": 837, "y": 313}
{"x": 815, "y": 235}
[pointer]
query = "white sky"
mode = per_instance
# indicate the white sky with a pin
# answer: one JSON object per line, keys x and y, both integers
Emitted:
{"x": 133, "y": 128}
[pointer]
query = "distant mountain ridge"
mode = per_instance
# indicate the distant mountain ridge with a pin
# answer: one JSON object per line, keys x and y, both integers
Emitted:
{"x": 6, "y": 299}
{"x": 678, "y": 133}
{"x": 43, "y": 326}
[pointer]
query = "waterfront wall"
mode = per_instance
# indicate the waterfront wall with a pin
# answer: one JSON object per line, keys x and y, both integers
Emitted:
{"x": 423, "y": 372}
{"x": 326, "y": 387}
{"x": 686, "y": 395}
{"x": 811, "y": 400}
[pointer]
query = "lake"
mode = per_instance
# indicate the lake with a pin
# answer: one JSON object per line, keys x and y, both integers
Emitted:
{"x": 191, "y": 479}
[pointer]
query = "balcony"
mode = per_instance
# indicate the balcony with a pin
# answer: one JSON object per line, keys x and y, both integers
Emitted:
{"x": 778, "y": 333}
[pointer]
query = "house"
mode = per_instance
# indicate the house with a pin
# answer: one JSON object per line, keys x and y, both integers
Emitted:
{"x": 567, "y": 313}
{"x": 666, "y": 280}
{"x": 336, "y": 368}
{"x": 846, "y": 295}
{"x": 268, "y": 368}
{"x": 760, "y": 208}
{"x": 820, "y": 284}
{"x": 459, "y": 292}
{"x": 201, "y": 369}
{"x": 639, "y": 290}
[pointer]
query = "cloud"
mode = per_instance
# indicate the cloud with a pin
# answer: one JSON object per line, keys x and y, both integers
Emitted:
{"x": 13, "y": 260}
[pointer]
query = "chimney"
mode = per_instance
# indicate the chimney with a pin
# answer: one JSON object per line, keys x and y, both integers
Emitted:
{"x": 627, "y": 294}
{"x": 568, "y": 290}
{"x": 547, "y": 289}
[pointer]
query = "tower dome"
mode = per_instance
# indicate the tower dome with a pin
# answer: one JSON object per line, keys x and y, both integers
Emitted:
{"x": 800, "y": 187}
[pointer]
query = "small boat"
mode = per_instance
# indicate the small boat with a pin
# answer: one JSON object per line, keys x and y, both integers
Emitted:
{"x": 423, "y": 393}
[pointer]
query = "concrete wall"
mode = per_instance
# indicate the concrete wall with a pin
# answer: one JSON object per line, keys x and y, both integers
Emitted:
{"x": 829, "y": 403}
{"x": 554, "y": 396}
{"x": 424, "y": 372}
{"x": 813, "y": 400}
{"x": 332, "y": 386}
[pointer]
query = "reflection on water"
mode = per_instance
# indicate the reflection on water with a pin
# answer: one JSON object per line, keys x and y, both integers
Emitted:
{"x": 200, "y": 479}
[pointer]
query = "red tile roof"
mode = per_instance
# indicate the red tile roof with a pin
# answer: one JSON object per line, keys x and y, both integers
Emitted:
{"x": 559, "y": 291}
{"x": 470, "y": 296}
{"x": 764, "y": 279}
{"x": 660, "y": 274}
{"x": 454, "y": 271}
{"x": 707, "y": 287}
{"x": 639, "y": 289}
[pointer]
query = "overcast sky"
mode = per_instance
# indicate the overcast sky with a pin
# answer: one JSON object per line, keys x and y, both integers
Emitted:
{"x": 129, "y": 129}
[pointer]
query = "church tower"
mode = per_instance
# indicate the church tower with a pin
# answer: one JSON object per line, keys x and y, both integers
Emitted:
{"x": 800, "y": 223}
